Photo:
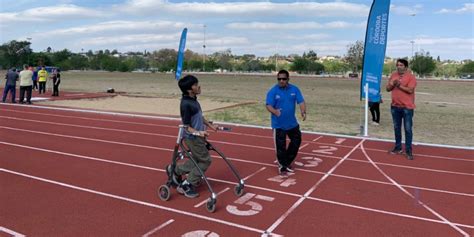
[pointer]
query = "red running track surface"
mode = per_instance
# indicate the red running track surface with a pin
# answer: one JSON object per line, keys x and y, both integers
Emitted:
{"x": 77, "y": 173}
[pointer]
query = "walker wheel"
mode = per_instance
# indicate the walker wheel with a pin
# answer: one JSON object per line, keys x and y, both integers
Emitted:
{"x": 211, "y": 205}
{"x": 238, "y": 190}
{"x": 164, "y": 192}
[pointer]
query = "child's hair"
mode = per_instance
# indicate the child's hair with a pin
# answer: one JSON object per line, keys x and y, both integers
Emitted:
{"x": 186, "y": 83}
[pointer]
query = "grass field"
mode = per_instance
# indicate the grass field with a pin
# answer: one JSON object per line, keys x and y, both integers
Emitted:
{"x": 444, "y": 113}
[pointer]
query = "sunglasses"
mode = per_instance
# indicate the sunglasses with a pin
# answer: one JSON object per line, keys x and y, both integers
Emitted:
{"x": 282, "y": 79}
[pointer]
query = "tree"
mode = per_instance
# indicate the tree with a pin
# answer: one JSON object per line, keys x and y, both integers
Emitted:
{"x": 354, "y": 56}
{"x": 335, "y": 67}
{"x": 311, "y": 55}
{"x": 304, "y": 65}
{"x": 165, "y": 60}
{"x": 423, "y": 63}
{"x": 467, "y": 68}
{"x": 15, "y": 53}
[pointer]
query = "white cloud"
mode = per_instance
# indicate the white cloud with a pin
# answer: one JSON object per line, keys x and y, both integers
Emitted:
{"x": 406, "y": 10}
{"x": 120, "y": 27}
{"x": 468, "y": 8}
{"x": 294, "y": 26}
{"x": 257, "y": 9}
{"x": 52, "y": 13}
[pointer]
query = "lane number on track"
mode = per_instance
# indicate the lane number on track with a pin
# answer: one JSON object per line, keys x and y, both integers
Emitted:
{"x": 200, "y": 233}
{"x": 284, "y": 181}
{"x": 308, "y": 161}
{"x": 328, "y": 150}
{"x": 339, "y": 140}
{"x": 252, "y": 207}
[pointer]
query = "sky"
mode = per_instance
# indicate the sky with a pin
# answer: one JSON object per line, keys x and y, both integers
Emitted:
{"x": 443, "y": 28}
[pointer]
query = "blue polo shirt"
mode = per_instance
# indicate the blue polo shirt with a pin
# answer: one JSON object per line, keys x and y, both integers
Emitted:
{"x": 284, "y": 99}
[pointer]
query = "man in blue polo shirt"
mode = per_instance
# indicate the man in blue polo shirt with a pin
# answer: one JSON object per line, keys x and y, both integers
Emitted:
{"x": 281, "y": 102}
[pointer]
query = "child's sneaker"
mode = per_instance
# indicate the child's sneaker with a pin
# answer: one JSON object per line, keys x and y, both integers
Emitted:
{"x": 176, "y": 179}
{"x": 409, "y": 155}
{"x": 187, "y": 189}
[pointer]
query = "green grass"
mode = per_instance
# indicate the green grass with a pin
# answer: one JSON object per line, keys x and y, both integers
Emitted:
{"x": 333, "y": 104}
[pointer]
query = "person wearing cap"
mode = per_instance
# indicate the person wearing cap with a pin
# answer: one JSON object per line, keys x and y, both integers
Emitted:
{"x": 281, "y": 102}
{"x": 10, "y": 84}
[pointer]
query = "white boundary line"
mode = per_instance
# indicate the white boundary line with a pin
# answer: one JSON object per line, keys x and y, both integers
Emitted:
{"x": 257, "y": 187}
{"x": 233, "y": 124}
{"x": 149, "y": 233}
{"x": 446, "y": 221}
{"x": 133, "y": 201}
{"x": 297, "y": 203}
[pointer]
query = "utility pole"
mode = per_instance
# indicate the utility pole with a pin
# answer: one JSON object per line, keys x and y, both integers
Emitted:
{"x": 29, "y": 41}
{"x": 204, "y": 50}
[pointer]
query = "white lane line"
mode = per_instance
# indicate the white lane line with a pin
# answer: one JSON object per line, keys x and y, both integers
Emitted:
{"x": 134, "y": 201}
{"x": 303, "y": 146}
{"x": 232, "y": 159}
{"x": 226, "y": 123}
{"x": 149, "y": 233}
{"x": 227, "y": 189}
{"x": 254, "y": 173}
{"x": 165, "y": 149}
{"x": 316, "y": 139}
{"x": 87, "y": 139}
{"x": 205, "y": 200}
{"x": 297, "y": 203}
{"x": 262, "y": 136}
{"x": 90, "y": 127}
{"x": 10, "y": 232}
{"x": 257, "y": 187}
{"x": 386, "y": 212}
{"x": 446, "y": 221}
{"x": 228, "y": 143}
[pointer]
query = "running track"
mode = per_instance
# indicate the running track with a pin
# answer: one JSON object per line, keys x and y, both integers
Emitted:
{"x": 78, "y": 173}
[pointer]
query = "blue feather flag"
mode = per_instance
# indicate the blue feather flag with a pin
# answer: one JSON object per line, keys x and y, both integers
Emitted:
{"x": 180, "y": 61}
{"x": 374, "y": 49}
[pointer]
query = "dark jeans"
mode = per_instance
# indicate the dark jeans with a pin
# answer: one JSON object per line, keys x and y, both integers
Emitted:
{"x": 42, "y": 87}
{"x": 12, "y": 90}
{"x": 375, "y": 111}
{"x": 35, "y": 85}
{"x": 399, "y": 114}
{"x": 286, "y": 155}
{"x": 28, "y": 90}
{"x": 200, "y": 154}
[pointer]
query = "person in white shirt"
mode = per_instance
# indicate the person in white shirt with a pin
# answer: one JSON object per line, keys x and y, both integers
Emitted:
{"x": 26, "y": 84}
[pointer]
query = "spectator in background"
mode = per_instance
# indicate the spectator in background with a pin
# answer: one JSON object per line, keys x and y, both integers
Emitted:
{"x": 402, "y": 84}
{"x": 42, "y": 78}
{"x": 26, "y": 84}
{"x": 56, "y": 81}
{"x": 34, "y": 78}
{"x": 10, "y": 84}
{"x": 375, "y": 111}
